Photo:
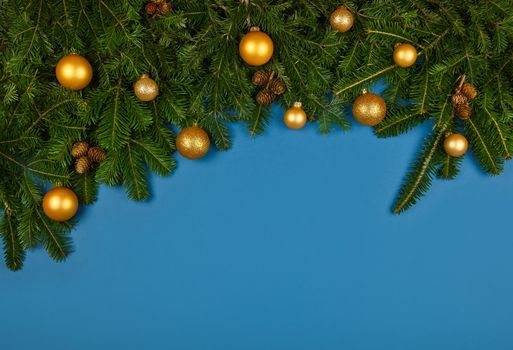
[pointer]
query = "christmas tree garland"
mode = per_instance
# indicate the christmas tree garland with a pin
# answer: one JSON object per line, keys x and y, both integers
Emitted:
{"x": 91, "y": 87}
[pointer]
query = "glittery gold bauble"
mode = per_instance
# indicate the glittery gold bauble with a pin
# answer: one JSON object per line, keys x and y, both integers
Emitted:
{"x": 256, "y": 48}
{"x": 405, "y": 55}
{"x": 295, "y": 117}
{"x": 342, "y": 19}
{"x": 60, "y": 204}
{"x": 369, "y": 109}
{"x": 74, "y": 72}
{"x": 192, "y": 142}
{"x": 146, "y": 89}
{"x": 455, "y": 145}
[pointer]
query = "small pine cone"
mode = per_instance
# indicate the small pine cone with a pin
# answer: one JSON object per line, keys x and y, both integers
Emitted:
{"x": 278, "y": 87}
{"x": 459, "y": 99}
{"x": 151, "y": 8}
{"x": 469, "y": 90}
{"x": 82, "y": 165}
{"x": 265, "y": 97}
{"x": 79, "y": 149}
{"x": 96, "y": 154}
{"x": 261, "y": 78}
{"x": 463, "y": 111}
{"x": 165, "y": 8}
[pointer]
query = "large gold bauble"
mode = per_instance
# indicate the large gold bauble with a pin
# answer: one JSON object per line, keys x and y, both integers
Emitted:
{"x": 256, "y": 48}
{"x": 74, "y": 72}
{"x": 369, "y": 109}
{"x": 146, "y": 89}
{"x": 60, "y": 203}
{"x": 295, "y": 117}
{"x": 342, "y": 19}
{"x": 193, "y": 143}
{"x": 405, "y": 55}
{"x": 456, "y": 145}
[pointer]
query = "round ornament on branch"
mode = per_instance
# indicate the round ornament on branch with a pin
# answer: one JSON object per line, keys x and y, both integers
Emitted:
{"x": 256, "y": 48}
{"x": 60, "y": 204}
{"x": 74, "y": 72}
{"x": 342, "y": 19}
{"x": 369, "y": 109}
{"x": 405, "y": 55}
{"x": 193, "y": 143}
{"x": 455, "y": 145}
{"x": 295, "y": 118}
{"x": 146, "y": 89}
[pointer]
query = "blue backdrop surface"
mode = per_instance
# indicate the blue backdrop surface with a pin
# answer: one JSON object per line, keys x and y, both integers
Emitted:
{"x": 285, "y": 242}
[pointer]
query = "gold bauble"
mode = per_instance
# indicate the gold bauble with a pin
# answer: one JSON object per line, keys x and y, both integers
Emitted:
{"x": 369, "y": 109}
{"x": 146, "y": 89}
{"x": 74, "y": 72}
{"x": 455, "y": 145}
{"x": 256, "y": 48}
{"x": 342, "y": 19}
{"x": 405, "y": 55}
{"x": 60, "y": 203}
{"x": 192, "y": 143}
{"x": 295, "y": 117}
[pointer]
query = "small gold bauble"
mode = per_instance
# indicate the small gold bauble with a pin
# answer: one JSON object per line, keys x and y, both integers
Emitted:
{"x": 455, "y": 145}
{"x": 295, "y": 117}
{"x": 192, "y": 143}
{"x": 60, "y": 203}
{"x": 74, "y": 72}
{"x": 369, "y": 109}
{"x": 256, "y": 48}
{"x": 146, "y": 89}
{"x": 342, "y": 19}
{"x": 405, "y": 55}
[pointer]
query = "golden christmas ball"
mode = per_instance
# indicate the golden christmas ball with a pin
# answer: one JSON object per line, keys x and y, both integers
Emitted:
{"x": 455, "y": 145}
{"x": 256, "y": 48}
{"x": 369, "y": 109}
{"x": 146, "y": 89}
{"x": 405, "y": 55}
{"x": 342, "y": 19}
{"x": 60, "y": 203}
{"x": 192, "y": 143}
{"x": 295, "y": 117}
{"x": 74, "y": 72}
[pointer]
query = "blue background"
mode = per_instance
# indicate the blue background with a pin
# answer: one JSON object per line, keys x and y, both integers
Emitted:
{"x": 285, "y": 242}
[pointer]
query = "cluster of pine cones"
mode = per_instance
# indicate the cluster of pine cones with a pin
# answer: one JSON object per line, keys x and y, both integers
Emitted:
{"x": 158, "y": 8}
{"x": 86, "y": 157}
{"x": 461, "y": 100}
{"x": 271, "y": 87}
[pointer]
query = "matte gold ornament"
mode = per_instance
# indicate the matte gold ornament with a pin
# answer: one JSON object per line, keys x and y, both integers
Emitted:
{"x": 342, "y": 19}
{"x": 79, "y": 149}
{"x": 60, "y": 204}
{"x": 405, "y": 55}
{"x": 369, "y": 109}
{"x": 455, "y": 145}
{"x": 193, "y": 143}
{"x": 146, "y": 89}
{"x": 256, "y": 48}
{"x": 295, "y": 117}
{"x": 74, "y": 72}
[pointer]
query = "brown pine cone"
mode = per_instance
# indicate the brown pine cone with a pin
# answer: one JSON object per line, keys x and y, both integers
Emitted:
{"x": 265, "y": 97}
{"x": 278, "y": 87}
{"x": 151, "y": 8}
{"x": 463, "y": 111}
{"x": 459, "y": 99}
{"x": 79, "y": 149}
{"x": 469, "y": 90}
{"x": 165, "y": 8}
{"x": 82, "y": 165}
{"x": 96, "y": 154}
{"x": 261, "y": 78}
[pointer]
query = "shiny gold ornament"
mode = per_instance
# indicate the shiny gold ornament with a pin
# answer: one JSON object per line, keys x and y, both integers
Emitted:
{"x": 405, "y": 55}
{"x": 342, "y": 19}
{"x": 256, "y": 48}
{"x": 369, "y": 109}
{"x": 146, "y": 89}
{"x": 60, "y": 203}
{"x": 192, "y": 143}
{"x": 79, "y": 149}
{"x": 455, "y": 145}
{"x": 295, "y": 117}
{"x": 74, "y": 72}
